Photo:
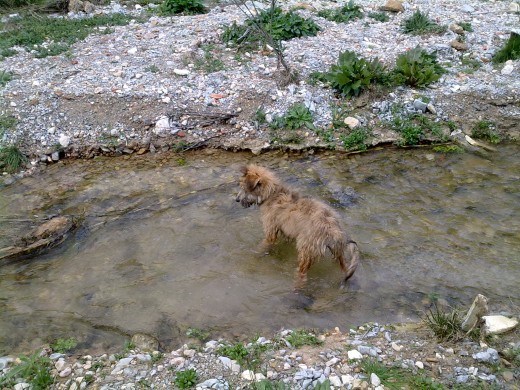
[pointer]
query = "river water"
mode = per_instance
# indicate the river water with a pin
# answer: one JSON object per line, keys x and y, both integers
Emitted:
{"x": 163, "y": 246}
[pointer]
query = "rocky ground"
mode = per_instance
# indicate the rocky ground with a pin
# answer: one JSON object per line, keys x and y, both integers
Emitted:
{"x": 113, "y": 92}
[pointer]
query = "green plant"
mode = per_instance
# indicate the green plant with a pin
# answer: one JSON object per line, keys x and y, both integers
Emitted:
{"x": 236, "y": 352}
{"x": 420, "y": 24}
{"x": 156, "y": 357}
{"x": 379, "y": 16}
{"x": 186, "y": 7}
{"x": 470, "y": 64}
{"x": 64, "y": 345}
{"x": 186, "y": 378}
{"x": 301, "y": 337}
{"x": 152, "y": 68}
{"x": 356, "y": 139}
{"x": 32, "y": 32}
{"x": 510, "y": 51}
{"x": 6, "y": 122}
{"x": 209, "y": 62}
{"x": 417, "y": 68}
{"x": 260, "y": 116}
{"x": 181, "y": 162}
{"x": 447, "y": 149}
{"x": 279, "y": 25}
{"x": 11, "y": 158}
{"x": 5, "y": 77}
{"x": 466, "y": 26}
{"x": 298, "y": 116}
{"x": 265, "y": 384}
{"x": 348, "y": 12}
{"x": 445, "y": 326}
{"x": 199, "y": 334}
{"x": 34, "y": 369}
{"x": 352, "y": 75}
{"x": 486, "y": 130}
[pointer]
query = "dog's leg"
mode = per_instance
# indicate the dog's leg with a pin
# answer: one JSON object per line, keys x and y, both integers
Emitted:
{"x": 304, "y": 263}
{"x": 271, "y": 235}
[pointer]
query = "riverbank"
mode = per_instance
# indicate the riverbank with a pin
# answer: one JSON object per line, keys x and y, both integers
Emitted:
{"x": 147, "y": 86}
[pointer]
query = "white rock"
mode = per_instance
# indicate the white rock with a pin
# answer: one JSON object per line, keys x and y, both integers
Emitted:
{"x": 508, "y": 68}
{"x": 332, "y": 362}
{"x": 478, "y": 308}
{"x": 351, "y": 122}
{"x": 374, "y": 379}
{"x": 121, "y": 364}
{"x": 64, "y": 140}
{"x": 286, "y": 366}
{"x": 189, "y": 353}
{"x": 514, "y": 7}
{"x": 498, "y": 324}
{"x": 51, "y": 130}
{"x": 177, "y": 361}
{"x": 162, "y": 125}
{"x": 60, "y": 364}
{"x": 259, "y": 377}
{"x": 396, "y": 347}
{"x": 347, "y": 379}
{"x": 419, "y": 364}
{"x": 354, "y": 354}
{"x": 181, "y": 72}
{"x": 248, "y": 375}
{"x": 66, "y": 372}
{"x": 22, "y": 386}
{"x": 133, "y": 50}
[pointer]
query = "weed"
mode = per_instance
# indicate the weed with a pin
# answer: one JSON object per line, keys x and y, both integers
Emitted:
{"x": 445, "y": 326}
{"x": 391, "y": 377}
{"x": 420, "y": 24}
{"x": 279, "y": 25}
{"x": 356, "y": 139}
{"x": 34, "y": 369}
{"x": 348, "y": 12}
{"x": 328, "y": 136}
{"x": 301, "y": 337}
{"x": 96, "y": 365}
{"x": 436, "y": 129}
{"x": 209, "y": 62}
{"x": 268, "y": 385}
{"x": 352, "y": 75}
{"x": 33, "y": 31}
{"x": 181, "y": 162}
{"x": 236, "y": 352}
{"x": 157, "y": 357}
{"x": 466, "y": 26}
{"x": 152, "y": 68}
{"x": 64, "y": 345}
{"x": 417, "y": 68}
{"x": 486, "y": 130}
{"x": 298, "y": 116}
{"x": 260, "y": 116}
{"x": 11, "y": 158}
{"x": 447, "y": 149}
{"x": 6, "y": 122}
{"x": 143, "y": 384}
{"x": 379, "y": 16}
{"x": 510, "y": 51}
{"x": 186, "y": 7}
{"x": 5, "y": 77}
{"x": 186, "y": 378}
{"x": 199, "y": 334}
{"x": 470, "y": 64}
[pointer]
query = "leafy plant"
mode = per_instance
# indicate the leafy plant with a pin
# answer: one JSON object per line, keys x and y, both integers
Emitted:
{"x": 64, "y": 345}
{"x": 186, "y": 378}
{"x": 236, "y": 352}
{"x": 5, "y": 77}
{"x": 379, "y": 16}
{"x": 34, "y": 369}
{"x": 420, "y": 24}
{"x": 152, "y": 68}
{"x": 186, "y": 7}
{"x": 301, "y": 337}
{"x": 260, "y": 116}
{"x": 265, "y": 384}
{"x": 348, "y": 12}
{"x": 11, "y": 158}
{"x": 510, "y": 51}
{"x": 445, "y": 326}
{"x": 156, "y": 357}
{"x": 199, "y": 334}
{"x": 447, "y": 149}
{"x": 298, "y": 116}
{"x": 356, "y": 139}
{"x": 466, "y": 26}
{"x": 486, "y": 130}
{"x": 352, "y": 75}
{"x": 209, "y": 62}
{"x": 417, "y": 68}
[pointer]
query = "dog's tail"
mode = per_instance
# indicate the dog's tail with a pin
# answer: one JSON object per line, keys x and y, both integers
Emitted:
{"x": 353, "y": 253}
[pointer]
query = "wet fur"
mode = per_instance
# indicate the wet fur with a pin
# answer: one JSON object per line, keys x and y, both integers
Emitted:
{"x": 312, "y": 224}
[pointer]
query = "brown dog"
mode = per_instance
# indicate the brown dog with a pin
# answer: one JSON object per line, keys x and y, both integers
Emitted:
{"x": 312, "y": 224}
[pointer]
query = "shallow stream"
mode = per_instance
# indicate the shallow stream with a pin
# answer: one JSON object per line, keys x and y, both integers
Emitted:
{"x": 163, "y": 246}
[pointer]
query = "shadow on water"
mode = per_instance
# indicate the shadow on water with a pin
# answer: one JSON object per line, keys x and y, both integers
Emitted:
{"x": 163, "y": 247}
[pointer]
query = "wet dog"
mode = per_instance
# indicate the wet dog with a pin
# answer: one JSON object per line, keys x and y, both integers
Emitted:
{"x": 312, "y": 224}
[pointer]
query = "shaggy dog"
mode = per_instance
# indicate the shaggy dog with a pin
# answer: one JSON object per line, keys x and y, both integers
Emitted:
{"x": 313, "y": 225}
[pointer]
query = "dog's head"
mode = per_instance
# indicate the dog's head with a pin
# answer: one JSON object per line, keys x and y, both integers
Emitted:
{"x": 256, "y": 185}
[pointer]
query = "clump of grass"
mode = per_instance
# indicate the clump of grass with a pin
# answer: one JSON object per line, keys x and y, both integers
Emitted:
{"x": 466, "y": 26}
{"x": 5, "y": 77}
{"x": 199, "y": 334}
{"x": 510, "y": 51}
{"x": 348, "y": 12}
{"x": 299, "y": 338}
{"x": 486, "y": 130}
{"x": 279, "y": 25}
{"x": 6, "y": 122}
{"x": 417, "y": 68}
{"x": 357, "y": 139}
{"x": 448, "y": 149}
{"x": 470, "y": 65}
{"x": 34, "y": 369}
{"x": 445, "y": 326}
{"x": 35, "y": 31}
{"x": 413, "y": 128}
{"x": 186, "y": 378}
{"x": 11, "y": 158}
{"x": 236, "y": 352}
{"x": 352, "y": 75}
{"x": 379, "y": 16}
{"x": 186, "y": 7}
{"x": 421, "y": 24}
{"x": 152, "y": 68}
{"x": 64, "y": 345}
{"x": 249, "y": 355}
{"x": 209, "y": 62}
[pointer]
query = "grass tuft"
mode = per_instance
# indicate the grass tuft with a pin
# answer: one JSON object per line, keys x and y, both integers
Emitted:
{"x": 299, "y": 338}
{"x": 11, "y": 158}
{"x": 34, "y": 369}
{"x": 510, "y": 51}
{"x": 445, "y": 326}
{"x": 186, "y": 7}
{"x": 64, "y": 345}
{"x": 356, "y": 139}
{"x": 345, "y": 14}
{"x": 421, "y": 24}
{"x": 486, "y": 130}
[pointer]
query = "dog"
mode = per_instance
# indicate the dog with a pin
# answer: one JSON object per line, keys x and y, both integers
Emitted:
{"x": 313, "y": 225}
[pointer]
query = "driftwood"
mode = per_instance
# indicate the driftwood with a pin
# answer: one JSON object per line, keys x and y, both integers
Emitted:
{"x": 48, "y": 235}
